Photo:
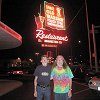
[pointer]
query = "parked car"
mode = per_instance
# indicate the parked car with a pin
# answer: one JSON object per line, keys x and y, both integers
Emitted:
{"x": 94, "y": 83}
{"x": 88, "y": 75}
{"x": 82, "y": 73}
{"x": 15, "y": 71}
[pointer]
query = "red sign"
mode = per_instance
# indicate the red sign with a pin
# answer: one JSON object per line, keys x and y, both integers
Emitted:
{"x": 54, "y": 16}
{"x": 48, "y": 45}
{"x": 39, "y": 22}
{"x": 42, "y": 35}
{"x": 47, "y": 37}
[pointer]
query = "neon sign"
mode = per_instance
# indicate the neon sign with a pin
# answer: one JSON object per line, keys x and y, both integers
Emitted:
{"x": 54, "y": 16}
{"x": 42, "y": 35}
{"x": 48, "y": 45}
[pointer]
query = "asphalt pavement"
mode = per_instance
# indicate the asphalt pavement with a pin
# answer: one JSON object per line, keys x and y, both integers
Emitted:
{"x": 8, "y": 85}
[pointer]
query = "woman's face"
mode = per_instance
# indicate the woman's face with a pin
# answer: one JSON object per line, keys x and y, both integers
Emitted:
{"x": 59, "y": 61}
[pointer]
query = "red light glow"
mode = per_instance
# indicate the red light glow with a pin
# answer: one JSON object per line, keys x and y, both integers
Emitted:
{"x": 42, "y": 35}
{"x": 48, "y": 45}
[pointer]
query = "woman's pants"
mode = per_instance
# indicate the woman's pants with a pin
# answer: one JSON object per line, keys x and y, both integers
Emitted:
{"x": 61, "y": 96}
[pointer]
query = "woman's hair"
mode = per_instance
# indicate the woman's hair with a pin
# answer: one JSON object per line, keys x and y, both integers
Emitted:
{"x": 64, "y": 63}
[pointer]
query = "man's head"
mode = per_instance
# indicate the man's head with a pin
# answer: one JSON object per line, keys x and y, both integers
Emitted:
{"x": 44, "y": 60}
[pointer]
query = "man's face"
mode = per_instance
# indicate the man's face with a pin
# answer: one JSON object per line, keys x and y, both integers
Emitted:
{"x": 59, "y": 61}
{"x": 44, "y": 61}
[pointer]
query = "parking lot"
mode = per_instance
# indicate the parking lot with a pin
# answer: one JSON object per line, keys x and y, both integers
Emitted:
{"x": 80, "y": 91}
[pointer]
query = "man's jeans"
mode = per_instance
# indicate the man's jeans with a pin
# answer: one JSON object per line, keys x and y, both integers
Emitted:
{"x": 61, "y": 96}
{"x": 43, "y": 92}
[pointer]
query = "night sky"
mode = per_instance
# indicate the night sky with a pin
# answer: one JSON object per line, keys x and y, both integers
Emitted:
{"x": 19, "y": 15}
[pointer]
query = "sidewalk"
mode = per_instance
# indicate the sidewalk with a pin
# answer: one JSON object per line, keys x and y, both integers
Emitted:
{"x": 8, "y": 85}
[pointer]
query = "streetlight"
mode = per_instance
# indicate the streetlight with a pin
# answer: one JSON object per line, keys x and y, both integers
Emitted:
{"x": 79, "y": 41}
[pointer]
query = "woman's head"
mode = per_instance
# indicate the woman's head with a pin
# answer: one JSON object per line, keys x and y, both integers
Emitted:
{"x": 60, "y": 62}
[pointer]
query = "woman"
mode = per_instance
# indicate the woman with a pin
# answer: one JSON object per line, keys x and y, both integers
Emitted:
{"x": 62, "y": 78}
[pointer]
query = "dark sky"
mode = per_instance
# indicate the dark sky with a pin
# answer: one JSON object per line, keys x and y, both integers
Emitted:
{"x": 19, "y": 15}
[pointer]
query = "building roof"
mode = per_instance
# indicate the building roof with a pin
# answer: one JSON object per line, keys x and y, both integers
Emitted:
{"x": 8, "y": 37}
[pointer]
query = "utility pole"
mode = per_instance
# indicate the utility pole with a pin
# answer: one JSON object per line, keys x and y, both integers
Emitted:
{"x": 95, "y": 51}
{"x": 90, "y": 58}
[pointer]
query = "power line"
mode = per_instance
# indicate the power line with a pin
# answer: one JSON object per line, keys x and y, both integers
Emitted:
{"x": 74, "y": 17}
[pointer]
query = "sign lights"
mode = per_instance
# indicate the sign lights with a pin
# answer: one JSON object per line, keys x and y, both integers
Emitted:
{"x": 42, "y": 35}
{"x": 48, "y": 45}
{"x": 54, "y": 16}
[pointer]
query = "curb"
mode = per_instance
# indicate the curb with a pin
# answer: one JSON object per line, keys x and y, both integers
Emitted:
{"x": 8, "y": 86}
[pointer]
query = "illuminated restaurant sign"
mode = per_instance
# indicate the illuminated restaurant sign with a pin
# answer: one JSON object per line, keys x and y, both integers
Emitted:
{"x": 46, "y": 37}
{"x": 48, "y": 45}
{"x": 54, "y": 16}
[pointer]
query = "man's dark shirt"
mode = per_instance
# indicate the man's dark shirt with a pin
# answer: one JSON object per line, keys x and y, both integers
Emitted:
{"x": 43, "y": 74}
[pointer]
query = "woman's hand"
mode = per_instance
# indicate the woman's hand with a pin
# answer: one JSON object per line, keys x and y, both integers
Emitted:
{"x": 70, "y": 93}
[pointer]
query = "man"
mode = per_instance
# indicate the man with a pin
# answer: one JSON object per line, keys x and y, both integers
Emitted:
{"x": 62, "y": 78}
{"x": 42, "y": 80}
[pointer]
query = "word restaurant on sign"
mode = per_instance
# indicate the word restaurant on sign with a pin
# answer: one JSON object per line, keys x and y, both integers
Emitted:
{"x": 41, "y": 35}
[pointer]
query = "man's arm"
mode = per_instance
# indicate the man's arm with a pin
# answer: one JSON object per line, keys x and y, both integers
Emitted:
{"x": 35, "y": 85}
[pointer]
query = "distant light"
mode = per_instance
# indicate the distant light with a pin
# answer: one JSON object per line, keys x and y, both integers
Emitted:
{"x": 18, "y": 58}
{"x": 79, "y": 41}
{"x": 70, "y": 59}
{"x": 69, "y": 63}
{"x": 37, "y": 53}
{"x": 30, "y": 60}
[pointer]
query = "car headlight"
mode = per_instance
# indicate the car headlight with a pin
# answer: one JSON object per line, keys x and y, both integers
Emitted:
{"x": 94, "y": 83}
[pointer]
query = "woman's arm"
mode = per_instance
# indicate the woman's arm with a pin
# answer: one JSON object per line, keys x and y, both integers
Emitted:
{"x": 70, "y": 90}
{"x": 70, "y": 84}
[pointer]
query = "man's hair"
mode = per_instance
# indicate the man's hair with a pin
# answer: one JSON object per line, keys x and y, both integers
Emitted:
{"x": 44, "y": 56}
